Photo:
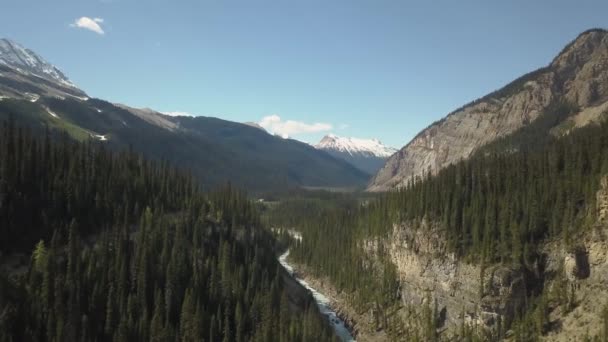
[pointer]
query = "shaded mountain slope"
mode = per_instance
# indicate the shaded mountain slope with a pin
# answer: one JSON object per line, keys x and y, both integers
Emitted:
{"x": 216, "y": 151}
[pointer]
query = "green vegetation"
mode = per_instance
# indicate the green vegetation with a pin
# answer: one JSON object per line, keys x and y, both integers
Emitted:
{"x": 500, "y": 205}
{"x": 496, "y": 207}
{"x": 33, "y": 115}
{"x": 214, "y": 150}
{"x": 124, "y": 249}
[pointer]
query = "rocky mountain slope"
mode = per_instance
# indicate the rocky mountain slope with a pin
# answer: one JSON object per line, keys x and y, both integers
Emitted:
{"x": 579, "y": 75}
{"x": 35, "y": 93}
{"x": 26, "y": 61}
{"x": 24, "y": 74}
{"x": 488, "y": 297}
{"x": 368, "y": 155}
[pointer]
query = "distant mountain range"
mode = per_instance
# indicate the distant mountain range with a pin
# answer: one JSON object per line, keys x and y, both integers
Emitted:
{"x": 35, "y": 93}
{"x": 368, "y": 155}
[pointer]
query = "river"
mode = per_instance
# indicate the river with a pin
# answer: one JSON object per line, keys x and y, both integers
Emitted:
{"x": 322, "y": 302}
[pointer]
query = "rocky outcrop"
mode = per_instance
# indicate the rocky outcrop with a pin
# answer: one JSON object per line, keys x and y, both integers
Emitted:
{"x": 468, "y": 292}
{"x": 25, "y": 75}
{"x": 464, "y": 292}
{"x": 583, "y": 266}
{"x": 601, "y": 201}
{"x": 576, "y": 265}
{"x": 579, "y": 74}
{"x": 586, "y": 275}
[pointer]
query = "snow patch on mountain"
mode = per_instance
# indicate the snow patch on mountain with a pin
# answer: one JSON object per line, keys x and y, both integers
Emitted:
{"x": 51, "y": 113}
{"x": 178, "y": 113}
{"x": 26, "y": 61}
{"x": 355, "y": 146}
{"x": 32, "y": 97}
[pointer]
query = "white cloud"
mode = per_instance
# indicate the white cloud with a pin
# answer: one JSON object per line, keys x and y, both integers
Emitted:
{"x": 178, "y": 114}
{"x": 91, "y": 24}
{"x": 286, "y": 128}
{"x": 344, "y": 126}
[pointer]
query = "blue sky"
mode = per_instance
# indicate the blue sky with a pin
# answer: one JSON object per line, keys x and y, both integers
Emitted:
{"x": 369, "y": 69}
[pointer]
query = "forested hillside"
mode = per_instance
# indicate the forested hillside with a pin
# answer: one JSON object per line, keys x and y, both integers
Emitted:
{"x": 123, "y": 249}
{"x": 215, "y": 151}
{"x": 500, "y": 207}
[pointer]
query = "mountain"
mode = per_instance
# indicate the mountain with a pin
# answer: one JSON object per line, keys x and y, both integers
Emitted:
{"x": 578, "y": 76}
{"x": 17, "y": 57}
{"x": 35, "y": 93}
{"x": 24, "y": 74}
{"x": 368, "y": 155}
{"x": 505, "y": 242}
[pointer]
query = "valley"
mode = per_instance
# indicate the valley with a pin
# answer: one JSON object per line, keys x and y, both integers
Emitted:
{"x": 498, "y": 246}
{"x": 126, "y": 223}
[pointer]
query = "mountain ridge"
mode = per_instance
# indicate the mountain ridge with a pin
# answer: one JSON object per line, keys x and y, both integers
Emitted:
{"x": 14, "y": 55}
{"x": 368, "y": 155}
{"x": 350, "y": 145}
{"x": 216, "y": 151}
{"x": 578, "y": 74}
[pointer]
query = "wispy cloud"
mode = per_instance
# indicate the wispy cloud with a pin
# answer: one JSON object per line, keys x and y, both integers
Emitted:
{"x": 91, "y": 24}
{"x": 287, "y": 128}
{"x": 343, "y": 126}
{"x": 178, "y": 114}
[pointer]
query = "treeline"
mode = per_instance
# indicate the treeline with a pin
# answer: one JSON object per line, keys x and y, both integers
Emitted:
{"x": 500, "y": 204}
{"x": 123, "y": 249}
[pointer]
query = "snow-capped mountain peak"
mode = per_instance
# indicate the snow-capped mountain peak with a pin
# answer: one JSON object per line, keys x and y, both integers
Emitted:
{"x": 353, "y": 146}
{"x": 26, "y": 61}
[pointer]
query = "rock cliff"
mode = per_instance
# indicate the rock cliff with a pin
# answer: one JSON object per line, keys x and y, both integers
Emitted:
{"x": 585, "y": 269}
{"x": 486, "y": 296}
{"x": 464, "y": 292}
{"x": 578, "y": 74}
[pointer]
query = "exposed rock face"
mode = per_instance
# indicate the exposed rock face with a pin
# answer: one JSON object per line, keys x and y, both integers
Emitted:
{"x": 576, "y": 265}
{"x": 17, "y": 57}
{"x": 587, "y": 276}
{"x": 579, "y": 74}
{"x": 591, "y": 296}
{"x": 463, "y": 292}
{"x": 24, "y": 74}
{"x": 602, "y": 201}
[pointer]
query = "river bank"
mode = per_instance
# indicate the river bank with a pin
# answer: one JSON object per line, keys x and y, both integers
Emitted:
{"x": 324, "y": 302}
{"x": 358, "y": 325}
